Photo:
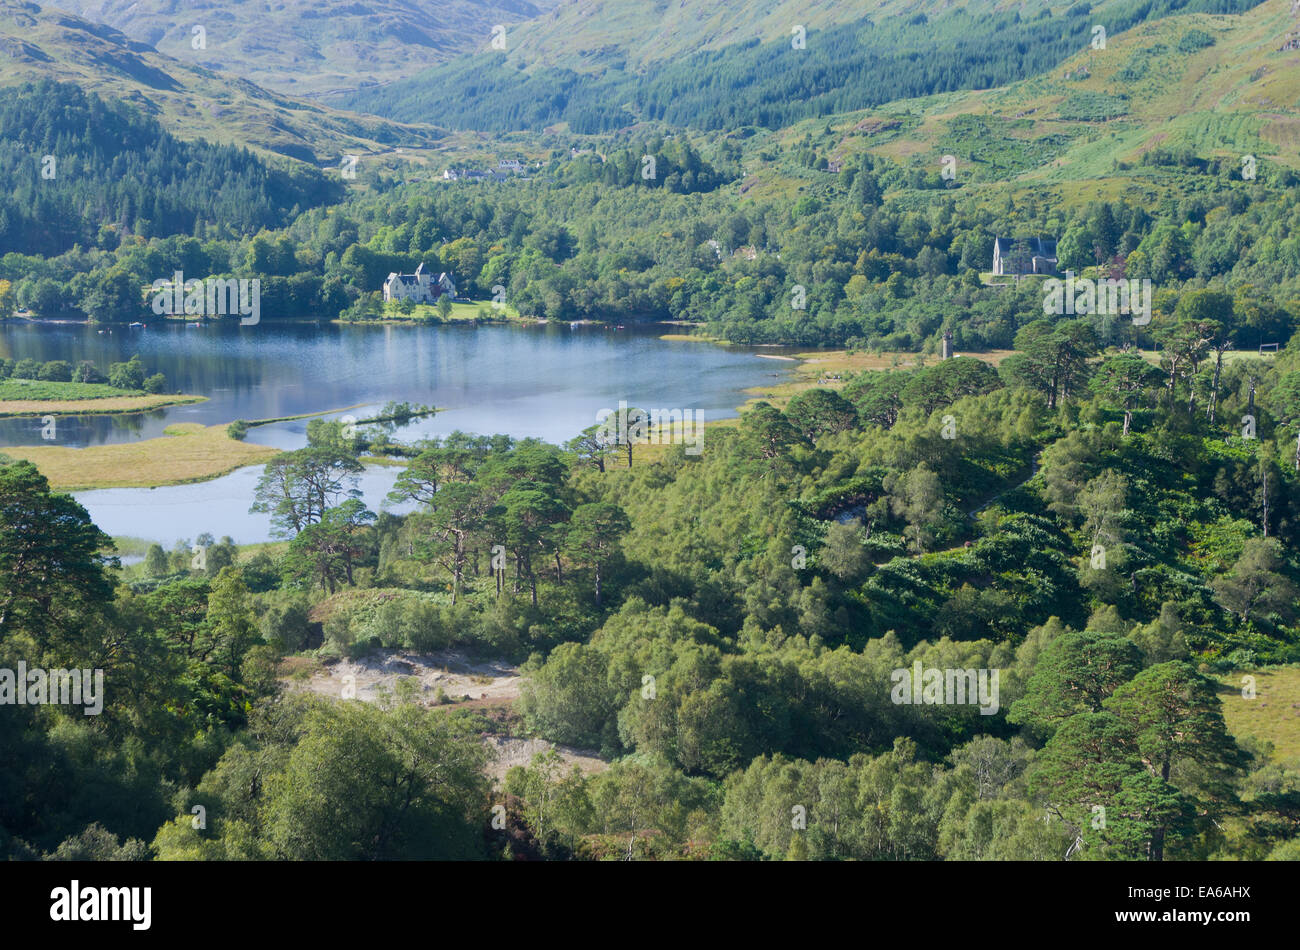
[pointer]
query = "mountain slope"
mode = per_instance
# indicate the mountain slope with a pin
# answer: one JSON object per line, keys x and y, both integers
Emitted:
{"x": 190, "y": 101}
{"x": 310, "y": 48}
{"x": 1162, "y": 106}
{"x": 636, "y": 34}
{"x": 112, "y": 168}
{"x": 598, "y": 79}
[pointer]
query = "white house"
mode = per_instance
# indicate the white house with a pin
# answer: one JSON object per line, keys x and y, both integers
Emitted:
{"x": 469, "y": 174}
{"x": 1035, "y": 256}
{"x": 418, "y": 287}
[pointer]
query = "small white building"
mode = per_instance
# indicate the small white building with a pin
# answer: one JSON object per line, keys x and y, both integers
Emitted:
{"x": 1038, "y": 256}
{"x": 419, "y": 287}
{"x": 469, "y": 174}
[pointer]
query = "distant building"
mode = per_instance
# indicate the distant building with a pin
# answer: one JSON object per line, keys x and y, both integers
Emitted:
{"x": 1016, "y": 256}
{"x": 419, "y": 287}
{"x": 468, "y": 174}
{"x": 510, "y": 165}
{"x": 946, "y": 350}
{"x": 835, "y": 167}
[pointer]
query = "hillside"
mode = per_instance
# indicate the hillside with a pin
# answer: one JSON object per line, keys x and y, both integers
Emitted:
{"x": 124, "y": 170}
{"x": 190, "y": 100}
{"x": 1148, "y": 118}
{"x": 704, "y": 69}
{"x": 312, "y": 48}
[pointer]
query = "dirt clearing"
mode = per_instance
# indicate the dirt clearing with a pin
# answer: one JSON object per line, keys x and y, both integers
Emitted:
{"x": 490, "y": 686}
{"x": 458, "y": 677}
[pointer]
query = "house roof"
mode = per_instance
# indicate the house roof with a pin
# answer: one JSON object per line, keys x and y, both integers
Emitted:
{"x": 1039, "y": 247}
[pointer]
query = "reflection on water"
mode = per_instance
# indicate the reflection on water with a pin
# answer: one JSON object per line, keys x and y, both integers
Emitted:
{"x": 545, "y": 381}
{"x": 220, "y": 507}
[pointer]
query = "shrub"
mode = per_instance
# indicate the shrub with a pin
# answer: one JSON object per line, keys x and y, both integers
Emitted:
{"x": 425, "y": 629}
{"x": 56, "y": 371}
{"x": 128, "y": 375}
{"x": 26, "y": 369}
{"x": 287, "y": 626}
{"x": 1193, "y": 40}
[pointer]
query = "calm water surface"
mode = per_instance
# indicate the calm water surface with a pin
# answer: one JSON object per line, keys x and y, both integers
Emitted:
{"x": 544, "y": 381}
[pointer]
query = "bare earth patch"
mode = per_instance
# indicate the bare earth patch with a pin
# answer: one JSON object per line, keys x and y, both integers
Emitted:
{"x": 512, "y": 751}
{"x": 485, "y": 684}
{"x": 453, "y": 672}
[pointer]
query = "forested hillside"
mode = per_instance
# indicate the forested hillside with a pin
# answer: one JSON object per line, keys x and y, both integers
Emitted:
{"x": 1093, "y": 511}
{"x": 770, "y": 82}
{"x": 193, "y": 100}
{"x": 851, "y": 262}
{"x": 77, "y": 164}
{"x": 724, "y": 626}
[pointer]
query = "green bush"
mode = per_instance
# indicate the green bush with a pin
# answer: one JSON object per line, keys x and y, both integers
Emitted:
{"x": 287, "y": 626}
{"x": 409, "y": 621}
{"x": 56, "y": 371}
{"x": 128, "y": 375}
{"x": 425, "y": 629}
{"x": 1193, "y": 40}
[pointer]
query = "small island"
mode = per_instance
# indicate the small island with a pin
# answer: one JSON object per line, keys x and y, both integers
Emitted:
{"x": 28, "y": 388}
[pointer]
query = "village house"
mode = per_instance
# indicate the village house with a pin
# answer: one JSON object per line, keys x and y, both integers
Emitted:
{"x": 1036, "y": 256}
{"x": 419, "y": 287}
{"x": 470, "y": 174}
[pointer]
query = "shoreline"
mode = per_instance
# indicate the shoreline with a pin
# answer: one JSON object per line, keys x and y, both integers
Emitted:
{"x": 190, "y": 453}
{"x": 187, "y": 453}
{"x": 104, "y": 406}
